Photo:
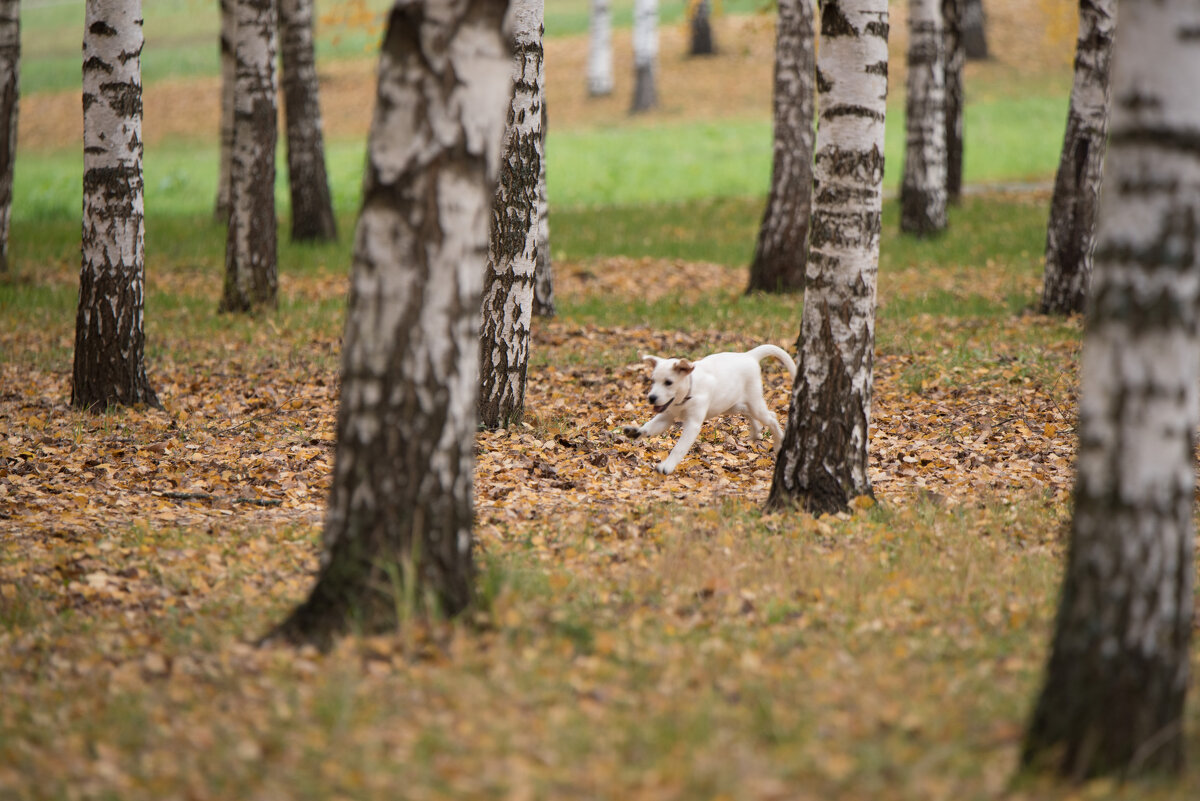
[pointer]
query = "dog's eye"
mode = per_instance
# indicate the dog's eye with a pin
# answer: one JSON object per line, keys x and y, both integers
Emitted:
{"x": 668, "y": 382}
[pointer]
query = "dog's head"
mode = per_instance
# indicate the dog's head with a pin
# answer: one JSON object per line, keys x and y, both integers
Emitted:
{"x": 668, "y": 382}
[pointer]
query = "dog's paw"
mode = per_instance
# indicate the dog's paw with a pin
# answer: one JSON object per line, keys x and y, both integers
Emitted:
{"x": 664, "y": 468}
{"x": 633, "y": 432}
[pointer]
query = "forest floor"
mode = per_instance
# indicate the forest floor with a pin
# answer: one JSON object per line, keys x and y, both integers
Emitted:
{"x": 637, "y": 636}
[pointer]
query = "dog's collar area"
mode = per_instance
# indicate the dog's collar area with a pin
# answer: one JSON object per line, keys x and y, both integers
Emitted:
{"x": 686, "y": 397}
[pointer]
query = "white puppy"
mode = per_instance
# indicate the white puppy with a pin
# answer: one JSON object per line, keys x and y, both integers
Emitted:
{"x": 690, "y": 393}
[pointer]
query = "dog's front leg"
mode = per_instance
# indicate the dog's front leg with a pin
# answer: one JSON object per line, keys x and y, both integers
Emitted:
{"x": 691, "y": 430}
{"x": 651, "y": 428}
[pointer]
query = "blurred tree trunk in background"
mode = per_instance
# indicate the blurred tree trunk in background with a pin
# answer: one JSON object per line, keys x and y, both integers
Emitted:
{"x": 398, "y": 535}
{"x": 1117, "y": 676}
{"x": 512, "y": 253}
{"x": 543, "y": 283}
{"x": 974, "y": 30}
{"x": 923, "y": 185}
{"x": 703, "y": 43}
{"x": 312, "y": 206}
{"x": 823, "y": 462}
{"x": 109, "y": 366}
{"x": 251, "y": 277}
{"x": 645, "y": 56}
{"x": 956, "y": 101}
{"x": 600, "y": 61}
{"x": 1070, "y": 235}
{"x": 781, "y": 252}
{"x": 228, "y": 79}
{"x": 10, "y": 70}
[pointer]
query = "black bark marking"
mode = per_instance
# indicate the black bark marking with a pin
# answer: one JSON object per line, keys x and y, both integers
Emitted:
{"x": 834, "y": 21}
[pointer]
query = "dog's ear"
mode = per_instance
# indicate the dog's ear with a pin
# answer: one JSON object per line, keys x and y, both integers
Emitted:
{"x": 683, "y": 367}
{"x": 651, "y": 360}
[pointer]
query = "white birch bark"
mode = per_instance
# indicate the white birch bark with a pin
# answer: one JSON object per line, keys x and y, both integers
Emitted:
{"x": 228, "y": 78}
{"x": 823, "y": 461}
{"x": 507, "y": 310}
{"x": 923, "y": 186}
{"x": 1117, "y": 676}
{"x": 645, "y": 56}
{"x": 109, "y": 328}
{"x": 251, "y": 270}
{"x": 400, "y": 508}
{"x": 543, "y": 283}
{"x": 600, "y": 60}
{"x": 1071, "y": 232}
{"x": 10, "y": 70}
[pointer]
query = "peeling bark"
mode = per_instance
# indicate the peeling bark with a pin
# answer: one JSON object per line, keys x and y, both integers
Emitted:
{"x": 1070, "y": 235}
{"x": 1117, "y": 676}
{"x": 508, "y": 289}
{"x": 923, "y": 186}
{"x": 398, "y": 531}
{"x": 10, "y": 70}
{"x": 600, "y": 62}
{"x": 823, "y": 462}
{"x": 781, "y": 252}
{"x": 109, "y": 366}
{"x": 312, "y": 205}
{"x": 251, "y": 270}
{"x": 645, "y": 56}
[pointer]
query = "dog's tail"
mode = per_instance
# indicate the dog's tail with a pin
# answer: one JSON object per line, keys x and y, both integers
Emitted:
{"x": 763, "y": 351}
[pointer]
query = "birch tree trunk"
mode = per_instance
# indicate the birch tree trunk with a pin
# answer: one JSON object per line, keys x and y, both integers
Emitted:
{"x": 10, "y": 70}
{"x": 923, "y": 186}
{"x": 1117, "y": 676}
{"x": 600, "y": 61}
{"x": 543, "y": 279}
{"x": 974, "y": 30}
{"x": 823, "y": 461}
{"x": 228, "y": 79}
{"x": 512, "y": 253}
{"x": 781, "y": 252}
{"x": 398, "y": 530}
{"x": 956, "y": 102}
{"x": 251, "y": 278}
{"x": 1070, "y": 235}
{"x": 702, "y": 43}
{"x": 645, "y": 56}
{"x": 109, "y": 366}
{"x": 312, "y": 206}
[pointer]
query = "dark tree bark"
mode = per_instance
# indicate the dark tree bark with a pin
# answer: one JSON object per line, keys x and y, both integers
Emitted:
{"x": 228, "y": 80}
{"x": 703, "y": 43}
{"x": 109, "y": 367}
{"x": 251, "y": 269}
{"x": 974, "y": 30}
{"x": 508, "y": 288}
{"x": 923, "y": 186}
{"x": 543, "y": 279}
{"x": 781, "y": 253}
{"x": 956, "y": 101}
{"x": 1070, "y": 235}
{"x": 823, "y": 462}
{"x": 1117, "y": 676}
{"x": 645, "y": 56}
{"x": 312, "y": 206}
{"x": 398, "y": 532}
{"x": 10, "y": 70}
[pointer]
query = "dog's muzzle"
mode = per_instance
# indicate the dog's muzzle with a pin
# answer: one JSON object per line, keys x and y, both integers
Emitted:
{"x": 659, "y": 408}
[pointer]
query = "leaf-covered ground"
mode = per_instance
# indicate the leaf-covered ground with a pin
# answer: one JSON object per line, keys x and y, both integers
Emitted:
{"x": 639, "y": 636}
